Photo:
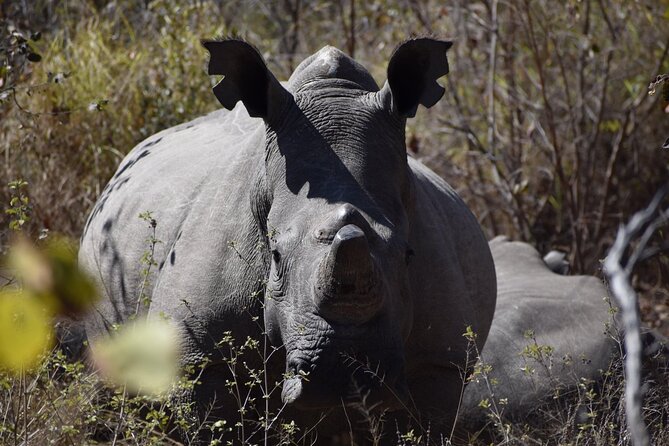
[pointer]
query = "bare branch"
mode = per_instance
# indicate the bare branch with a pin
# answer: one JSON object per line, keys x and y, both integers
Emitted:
{"x": 491, "y": 77}
{"x": 618, "y": 271}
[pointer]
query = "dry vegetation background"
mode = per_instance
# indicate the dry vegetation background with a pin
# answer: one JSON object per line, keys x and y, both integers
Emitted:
{"x": 546, "y": 130}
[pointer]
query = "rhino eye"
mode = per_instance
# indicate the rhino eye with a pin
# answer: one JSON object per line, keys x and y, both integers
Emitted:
{"x": 407, "y": 256}
{"x": 276, "y": 255}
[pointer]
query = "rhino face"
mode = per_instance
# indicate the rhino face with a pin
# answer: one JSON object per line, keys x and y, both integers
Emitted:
{"x": 338, "y": 225}
{"x": 336, "y": 208}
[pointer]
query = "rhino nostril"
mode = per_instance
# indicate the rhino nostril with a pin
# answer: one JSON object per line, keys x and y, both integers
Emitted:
{"x": 297, "y": 368}
{"x": 325, "y": 236}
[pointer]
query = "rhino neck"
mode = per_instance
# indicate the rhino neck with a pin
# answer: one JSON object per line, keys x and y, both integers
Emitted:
{"x": 409, "y": 194}
{"x": 261, "y": 202}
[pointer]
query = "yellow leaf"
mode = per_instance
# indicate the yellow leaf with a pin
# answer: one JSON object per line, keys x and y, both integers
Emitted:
{"x": 52, "y": 274}
{"x": 31, "y": 266}
{"x": 25, "y": 331}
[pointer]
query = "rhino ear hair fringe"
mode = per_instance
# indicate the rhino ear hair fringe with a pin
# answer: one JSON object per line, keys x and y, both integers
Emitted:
{"x": 246, "y": 77}
{"x": 413, "y": 71}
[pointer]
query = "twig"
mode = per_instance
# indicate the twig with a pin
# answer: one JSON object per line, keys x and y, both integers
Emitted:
{"x": 618, "y": 270}
{"x": 557, "y": 150}
{"x": 415, "y": 7}
{"x": 121, "y": 415}
{"x": 351, "y": 36}
{"x": 149, "y": 259}
{"x": 492, "y": 69}
{"x": 12, "y": 92}
{"x": 501, "y": 180}
{"x": 24, "y": 399}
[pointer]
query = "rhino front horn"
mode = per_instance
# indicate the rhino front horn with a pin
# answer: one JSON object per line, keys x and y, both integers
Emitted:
{"x": 345, "y": 289}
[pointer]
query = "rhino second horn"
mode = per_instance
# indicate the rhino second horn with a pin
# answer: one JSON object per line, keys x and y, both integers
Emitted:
{"x": 345, "y": 286}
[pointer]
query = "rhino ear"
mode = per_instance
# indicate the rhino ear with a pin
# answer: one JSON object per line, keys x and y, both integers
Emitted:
{"x": 413, "y": 71}
{"x": 247, "y": 78}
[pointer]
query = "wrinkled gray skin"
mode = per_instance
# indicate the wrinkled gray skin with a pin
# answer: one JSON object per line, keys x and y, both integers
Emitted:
{"x": 365, "y": 258}
{"x": 568, "y": 313}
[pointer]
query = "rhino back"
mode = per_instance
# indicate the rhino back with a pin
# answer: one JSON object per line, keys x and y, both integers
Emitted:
{"x": 566, "y": 313}
{"x": 195, "y": 179}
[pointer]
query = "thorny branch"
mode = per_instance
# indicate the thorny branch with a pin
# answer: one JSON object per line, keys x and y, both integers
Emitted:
{"x": 619, "y": 267}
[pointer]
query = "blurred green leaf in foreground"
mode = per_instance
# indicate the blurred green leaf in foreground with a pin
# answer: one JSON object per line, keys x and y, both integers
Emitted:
{"x": 49, "y": 285}
{"x": 25, "y": 330}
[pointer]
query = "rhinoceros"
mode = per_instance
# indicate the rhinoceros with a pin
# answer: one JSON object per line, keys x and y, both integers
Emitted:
{"x": 296, "y": 214}
{"x": 551, "y": 332}
{"x": 554, "y": 338}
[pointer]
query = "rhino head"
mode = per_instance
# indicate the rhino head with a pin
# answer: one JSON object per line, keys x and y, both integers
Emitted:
{"x": 334, "y": 205}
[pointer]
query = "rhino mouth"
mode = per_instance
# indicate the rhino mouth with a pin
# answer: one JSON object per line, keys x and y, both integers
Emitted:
{"x": 347, "y": 379}
{"x": 366, "y": 287}
{"x": 344, "y": 302}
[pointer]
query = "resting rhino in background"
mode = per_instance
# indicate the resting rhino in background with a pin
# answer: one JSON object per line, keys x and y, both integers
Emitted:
{"x": 570, "y": 314}
{"x": 358, "y": 250}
